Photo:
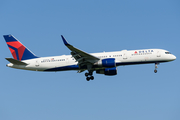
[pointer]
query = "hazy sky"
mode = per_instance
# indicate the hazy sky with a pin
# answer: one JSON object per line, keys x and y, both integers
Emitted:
{"x": 136, "y": 93}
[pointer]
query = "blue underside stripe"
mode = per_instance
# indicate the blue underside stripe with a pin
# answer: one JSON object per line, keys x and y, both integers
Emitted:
{"x": 76, "y": 67}
{"x": 71, "y": 67}
{"x": 135, "y": 63}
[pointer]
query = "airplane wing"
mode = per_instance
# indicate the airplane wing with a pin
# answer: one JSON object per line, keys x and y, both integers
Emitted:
{"x": 81, "y": 57}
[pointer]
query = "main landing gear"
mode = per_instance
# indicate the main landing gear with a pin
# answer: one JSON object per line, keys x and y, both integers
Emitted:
{"x": 89, "y": 73}
{"x": 155, "y": 71}
{"x": 90, "y": 76}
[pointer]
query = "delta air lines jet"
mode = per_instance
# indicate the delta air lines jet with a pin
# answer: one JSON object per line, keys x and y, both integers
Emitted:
{"x": 103, "y": 63}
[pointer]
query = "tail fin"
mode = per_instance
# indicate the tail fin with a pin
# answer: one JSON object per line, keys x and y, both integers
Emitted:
{"x": 18, "y": 50}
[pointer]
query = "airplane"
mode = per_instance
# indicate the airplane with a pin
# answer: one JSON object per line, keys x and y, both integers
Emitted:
{"x": 103, "y": 63}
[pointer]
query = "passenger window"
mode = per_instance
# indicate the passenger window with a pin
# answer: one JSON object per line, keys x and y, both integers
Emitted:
{"x": 167, "y": 53}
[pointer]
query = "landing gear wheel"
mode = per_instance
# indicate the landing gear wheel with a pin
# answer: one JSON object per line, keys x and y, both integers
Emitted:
{"x": 88, "y": 78}
{"x": 89, "y": 75}
{"x": 155, "y": 71}
{"x": 92, "y": 77}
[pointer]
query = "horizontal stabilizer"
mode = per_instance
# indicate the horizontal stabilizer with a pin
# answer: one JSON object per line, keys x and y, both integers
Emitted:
{"x": 16, "y": 62}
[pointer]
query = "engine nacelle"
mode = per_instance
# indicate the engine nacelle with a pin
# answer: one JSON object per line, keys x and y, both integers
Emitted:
{"x": 107, "y": 71}
{"x": 109, "y": 62}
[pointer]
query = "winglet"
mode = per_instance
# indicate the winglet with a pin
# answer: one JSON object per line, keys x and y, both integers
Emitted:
{"x": 64, "y": 40}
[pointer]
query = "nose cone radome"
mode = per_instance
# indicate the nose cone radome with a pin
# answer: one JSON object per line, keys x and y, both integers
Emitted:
{"x": 174, "y": 57}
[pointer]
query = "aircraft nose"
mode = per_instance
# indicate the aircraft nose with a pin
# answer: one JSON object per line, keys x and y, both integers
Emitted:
{"x": 174, "y": 57}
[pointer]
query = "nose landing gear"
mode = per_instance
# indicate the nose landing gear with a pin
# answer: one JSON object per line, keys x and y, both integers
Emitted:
{"x": 155, "y": 71}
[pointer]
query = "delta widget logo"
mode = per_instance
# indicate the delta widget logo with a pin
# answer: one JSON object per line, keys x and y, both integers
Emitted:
{"x": 17, "y": 49}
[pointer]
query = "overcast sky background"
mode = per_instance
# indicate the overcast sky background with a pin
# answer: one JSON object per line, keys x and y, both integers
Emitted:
{"x": 136, "y": 93}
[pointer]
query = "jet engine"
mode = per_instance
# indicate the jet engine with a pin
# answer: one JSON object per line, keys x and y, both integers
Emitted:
{"x": 109, "y": 62}
{"x": 107, "y": 71}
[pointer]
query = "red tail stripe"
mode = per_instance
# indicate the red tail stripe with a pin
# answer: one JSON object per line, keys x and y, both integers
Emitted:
{"x": 21, "y": 52}
{"x": 15, "y": 44}
{"x": 19, "y": 47}
{"x": 13, "y": 53}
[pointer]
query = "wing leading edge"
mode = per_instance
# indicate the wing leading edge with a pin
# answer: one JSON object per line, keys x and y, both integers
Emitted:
{"x": 81, "y": 57}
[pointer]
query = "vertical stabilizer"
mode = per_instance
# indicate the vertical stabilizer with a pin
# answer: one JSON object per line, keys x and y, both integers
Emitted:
{"x": 17, "y": 49}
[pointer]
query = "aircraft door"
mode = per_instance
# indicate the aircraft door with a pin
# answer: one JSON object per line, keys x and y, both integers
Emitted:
{"x": 37, "y": 63}
{"x": 125, "y": 55}
{"x": 158, "y": 54}
{"x": 67, "y": 60}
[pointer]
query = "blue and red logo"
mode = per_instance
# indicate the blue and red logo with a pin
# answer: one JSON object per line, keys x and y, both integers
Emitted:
{"x": 17, "y": 49}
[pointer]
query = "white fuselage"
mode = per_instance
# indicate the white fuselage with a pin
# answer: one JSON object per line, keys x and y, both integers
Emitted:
{"x": 124, "y": 57}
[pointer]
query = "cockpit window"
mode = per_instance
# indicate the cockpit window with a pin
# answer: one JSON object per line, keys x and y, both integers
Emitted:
{"x": 167, "y": 53}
